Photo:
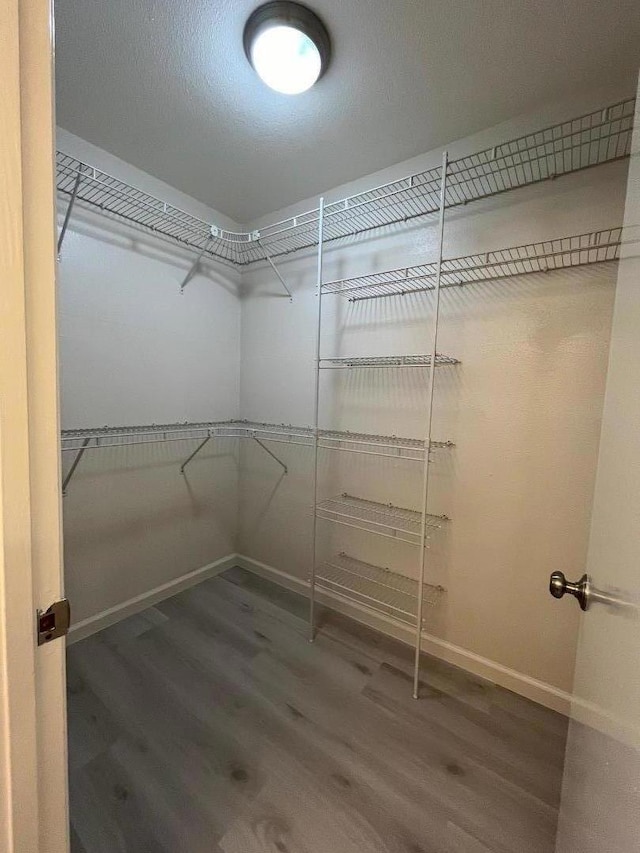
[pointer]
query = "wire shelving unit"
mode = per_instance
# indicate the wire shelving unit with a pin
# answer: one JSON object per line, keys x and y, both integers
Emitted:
{"x": 389, "y": 446}
{"x": 100, "y": 191}
{"x": 392, "y": 522}
{"x": 79, "y": 441}
{"x": 589, "y": 140}
{"x": 379, "y": 589}
{"x": 594, "y": 247}
{"x": 104, "y": 437}
{"x": 386, "y": 361}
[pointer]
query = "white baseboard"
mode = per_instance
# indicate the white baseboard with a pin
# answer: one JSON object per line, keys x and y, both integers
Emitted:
{"x": 532, "y": 688}
{"x": 96, "y": 623}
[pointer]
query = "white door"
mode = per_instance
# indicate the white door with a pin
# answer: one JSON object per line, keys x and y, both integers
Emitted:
{"x": 33, "y": 784}
{"x": 600, "y": 811}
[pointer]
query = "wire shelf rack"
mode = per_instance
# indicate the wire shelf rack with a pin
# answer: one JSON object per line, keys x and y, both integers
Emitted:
{"x": 101, "y": 191}
{"x": 378, "y": 445}
{"x": 376, "y": 588}
{"x": 391, "y": 446}
{"x": 73, "y": 439}
{"x": 590, "y": 140}
{"x": 594, "y": 247}
{"x": 392, "y": 522}
{"x": 386, "y": 361}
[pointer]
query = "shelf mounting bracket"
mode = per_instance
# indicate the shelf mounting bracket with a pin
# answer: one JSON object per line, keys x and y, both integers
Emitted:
{"x": 195, "y": 453}
{"x": 67, "y": 216}
{"x": 194, "y": 266}
{"x": 74, "y": 465}
{"x": 271, "y": 454}
{"x": 275, "y": 269}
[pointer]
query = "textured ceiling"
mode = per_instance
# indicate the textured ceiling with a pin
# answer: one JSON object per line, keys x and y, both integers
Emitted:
{"x": 164, "y": 84}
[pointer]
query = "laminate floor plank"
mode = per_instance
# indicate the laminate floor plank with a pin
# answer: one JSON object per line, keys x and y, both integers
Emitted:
{"x": 91, "y": 727}
{"x": 168, "y": 751}
{"x": 420, "y": 765}
{"x": 123, "y": 825}
{"x": 210, "y": 723}
{"x": 389, "y": 689}
{"x": 283, "y": 741}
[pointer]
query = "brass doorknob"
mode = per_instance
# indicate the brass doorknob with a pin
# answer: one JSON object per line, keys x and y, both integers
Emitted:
{"x": 559, "y": 586}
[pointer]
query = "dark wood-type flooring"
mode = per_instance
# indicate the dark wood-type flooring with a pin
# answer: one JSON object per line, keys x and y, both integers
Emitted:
{"x": 209, "y": 723}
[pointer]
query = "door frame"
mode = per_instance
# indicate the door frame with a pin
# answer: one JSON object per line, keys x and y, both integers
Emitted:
{"x": 33, "y": 747}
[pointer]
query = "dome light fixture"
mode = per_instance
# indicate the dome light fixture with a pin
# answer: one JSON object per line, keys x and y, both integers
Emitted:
{"x": 288, "y": 46}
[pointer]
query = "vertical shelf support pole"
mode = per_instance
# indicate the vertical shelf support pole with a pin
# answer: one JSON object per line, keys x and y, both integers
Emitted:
{"x": 316, "y": 432}
{"x": 67, "y": 215}
{"x": 427, "y": 455}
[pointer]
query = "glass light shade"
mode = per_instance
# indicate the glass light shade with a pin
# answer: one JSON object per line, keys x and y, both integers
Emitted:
{"x": 286, "y": 59}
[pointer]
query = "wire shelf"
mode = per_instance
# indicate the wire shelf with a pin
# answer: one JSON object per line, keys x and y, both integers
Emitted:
{"x": 386, "y": 361}
{"x": 377, "y": 588}
{"x": 594, "y": 247}
{"x": 391, "y": 446}
{"x": 392, "y": 522}
{"x": 590, "y": 140}
{"x": 98, "y": 189}
{"x": 375, "y": 445}
{"x": 103, "y": 437}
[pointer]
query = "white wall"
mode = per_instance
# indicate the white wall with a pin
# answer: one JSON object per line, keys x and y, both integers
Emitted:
{"x": 134, "y": 350}
{"x": 524, "y": 409}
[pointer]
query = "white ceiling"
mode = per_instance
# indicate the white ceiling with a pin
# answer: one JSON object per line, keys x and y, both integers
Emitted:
{"x": 164, "y": 84}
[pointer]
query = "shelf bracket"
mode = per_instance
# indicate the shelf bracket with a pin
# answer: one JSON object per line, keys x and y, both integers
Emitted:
{"x": 196, "y": 263}
{"x": 195, "y": 453}
{"x": 273, "y": 456}
{"x": 74, "y": 465}
{"x": 67, "y": 216}
{"x": 275, "y": 269}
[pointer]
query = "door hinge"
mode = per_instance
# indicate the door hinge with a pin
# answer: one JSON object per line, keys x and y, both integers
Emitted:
{"x": 53, "y": 622}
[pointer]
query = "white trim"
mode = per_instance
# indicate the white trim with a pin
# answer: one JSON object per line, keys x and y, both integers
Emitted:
{"x": 96, "y": 623}
{"x": 532, "y": 688}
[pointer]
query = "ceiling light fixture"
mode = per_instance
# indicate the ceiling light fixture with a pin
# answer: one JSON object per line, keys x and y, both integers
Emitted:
{"x": 288, "y": 46}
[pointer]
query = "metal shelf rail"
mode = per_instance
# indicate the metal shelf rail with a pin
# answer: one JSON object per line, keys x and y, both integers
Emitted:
{"x": 594, "y": 247}
{"x": 382, "y": 590}
{"x": 601, "y": 136}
